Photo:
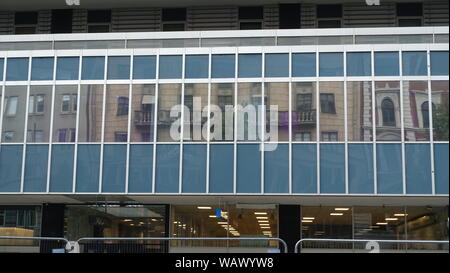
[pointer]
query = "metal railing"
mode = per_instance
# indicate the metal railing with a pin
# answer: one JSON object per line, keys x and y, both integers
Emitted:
{"x": 22, "y": 244}
{"x": 370, "y": 245}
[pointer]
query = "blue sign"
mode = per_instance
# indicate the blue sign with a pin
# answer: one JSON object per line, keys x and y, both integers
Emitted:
{"x": 218, "y": 213}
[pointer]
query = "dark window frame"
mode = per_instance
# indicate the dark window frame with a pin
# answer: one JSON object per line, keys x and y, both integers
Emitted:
{"x": 328, "y": 106}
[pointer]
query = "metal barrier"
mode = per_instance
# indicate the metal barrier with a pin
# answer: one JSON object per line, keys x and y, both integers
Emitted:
{"x": 18, "y": 244}
{"x": 150, "y": 244}
{"x": 373, "y": 246}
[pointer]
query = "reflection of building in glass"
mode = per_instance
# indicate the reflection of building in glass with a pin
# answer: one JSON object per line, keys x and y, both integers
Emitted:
{"x": 359, "y": 111}
{"x": 387, "y": 114}
{"x": 143, "y": 113}
{"x": 415, "y": 111}
{"x": 304, "y": 115}
{"x": 91, "y": 113}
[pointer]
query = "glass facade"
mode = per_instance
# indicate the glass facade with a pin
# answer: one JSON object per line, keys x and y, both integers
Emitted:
{"x": 202, "y": 123}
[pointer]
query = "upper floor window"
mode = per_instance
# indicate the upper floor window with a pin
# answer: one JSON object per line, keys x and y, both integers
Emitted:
{"x": 99, "y": 21}
{"x": 329, "y": 136}
{"x": 329, "y": 16}
{"x": 304, "y": 102}
{"x": 388, "y": 112}
{"x": 251, "y": 17}
{"x": 11, "y": 106}
{"x": 409, "y": 14}
{"x": 174, "y": 19}
{"x": 25, "y": 22}
{"x": 122, "y": 106}
{"x": 36, "y": 104}
{"x": 69, "y": 103}
{"x": 327, "y": 104}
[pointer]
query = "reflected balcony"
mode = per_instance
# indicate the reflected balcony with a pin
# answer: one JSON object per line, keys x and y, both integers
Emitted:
{"x": 143, "y": 118}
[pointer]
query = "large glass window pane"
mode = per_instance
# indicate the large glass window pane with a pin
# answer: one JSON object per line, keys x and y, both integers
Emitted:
{"x": 17, "y": 69}
{"x": 144, "y": 67}
{"x": 418, "y": 168}
{"x": 389, "y": 169}
{"x": 42, "y": 69}
{"x": 169, "y": 96}
{"x": 143, "y": 113}
{"x": 248, "y": 171}
{"x": 15, "y": 105}
{"x": 387, "y": 64}
{"x": 114, "y": 168}
{"x": 277, "y": 65}
{"x": 359, "y": 64}
{"x": 427, "y": 223}
{"x": 67, "y": 68}
{"x": 250, "y": 65}
{"x": 222, "y": 121}
{"x": 2, "y": 64}
{"x": 332, "y": 119}
{"x": 440, "y": 103}
{"x": 170, "y": 67}
{"x": 332, "y": 168}
{"x": 194, "y": 168}
{"x": 360, "y": 168}
{"x": 36, "y": 163}
{"x": 197, "y": 66}
{"x": 119, "y": 68}
{"x": 331, "y": 64}
{"x": 387, "y": 101}
{"x": 304, "y": 113}
{"x": 221, "y": 168}
{"x": 116, "y": 116}
{"x": 39, "y": 114}
{"x": 195, "y": 101}
{"x": 91, "y": 113}
{"x": 65, "y": 113}
{"x": 303, "y": 65}
{"x": 276, "y": 169}
{"x": 441, "y": 172}
{"x": 439, "y": 63}
{"x": 325, "y": 222}
{"x": 359, "y": 111}
{"x": 61, "y": 174}
{"x": 304, "y": 168}
{"x": 414, "y": 63}
{"x": 10, "y": 168}
{"x": 167, "y": 168}
{"x": 88, "y": 166}
{"x": 277, "y": 95}
{"x": 93, "y": 68}
{"x": 248, "y": 106}
{"x": 140, "y": 169}
{"x": 416, "y": 113}
{"x": 223, "y": 66}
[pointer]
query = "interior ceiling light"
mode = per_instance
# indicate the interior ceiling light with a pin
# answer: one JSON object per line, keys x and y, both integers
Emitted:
{"x": 341, "y": 209}
{"x": 309, "y": 218}
{"x": 391, "y": 219}
{"x": 260, "y": 213}
{"x": 204, "y": 207}
{"x": 336, "y": 214}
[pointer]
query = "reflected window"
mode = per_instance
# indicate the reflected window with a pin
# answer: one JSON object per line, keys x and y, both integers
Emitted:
{"x": 14, "y": 113}
{"x": 329, "y": 136}
{"x": 388, "y": 112}
{"x": 122, "y": 106}
{"x": 64, "y": 120}
{"x": 169, "y": 96}
{"x": 11, "y": 106}
{"x": 359, "y": 111}
{"x": 39, "y": 113}
{"x": 425, "y": 114}
{"x": 387, "y": 100}
{"x": 440, "y": 99}
{"x": 415, "y": 93}
{"x": 327, "y": 103}
{"x": 303, "y": 107}
{"x": 143, "y": 112}
{"x": 116, "y": 116}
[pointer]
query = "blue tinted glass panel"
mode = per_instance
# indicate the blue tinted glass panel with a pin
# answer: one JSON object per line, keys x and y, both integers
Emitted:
{"x": 17, "y": 69}
{"x": 10, "y": 168}
{"x": 441, "y": 168}
{"x": 221, "y": 169}
{"x": 418, "y": 168}
{"x": 119, "y": 68}
{"x": 250, "y": 65}
{"x": 439, "y": 63}
{"x": 389, "y": 169}
{"x": 141, "y": 168}
{"x": 332, "y": 168}
{"x": 42, "y": 69}
{"x": 170, "y": 67}
{"x": 167, "y": 168}
{"x": 331, "y": 64}
{"x": 88, "y": 165}
{"x": 144, "y": 67}
{"x": 36, "y": 163}
{"x": 2, "y": 63}
{"x": 386, "y": 64}
{"x": 304, "y": 65}
{"x": 414, "y": 63}
{"x": 61, "y": 174}
{"x": 359, "y": 64}
{"x": 304, "y": 168}
{"x": 277, "y": 65}
{"x": 114, "y": 170}
{"x": 197, "y": 66}
{"x": 360, "y": 168}
{"x": 194, "y": 168}
{"x": 67, "y": 68}
{"x": 276, "y": 170}
{"x": 248, "y": 168}
{"x": 93, "y": 68}
{"x": 223, "y": 66}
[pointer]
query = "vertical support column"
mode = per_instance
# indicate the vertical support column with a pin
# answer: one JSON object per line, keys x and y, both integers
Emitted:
{"x": 287, "y": 231}
{"x": 52, "y": 225}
